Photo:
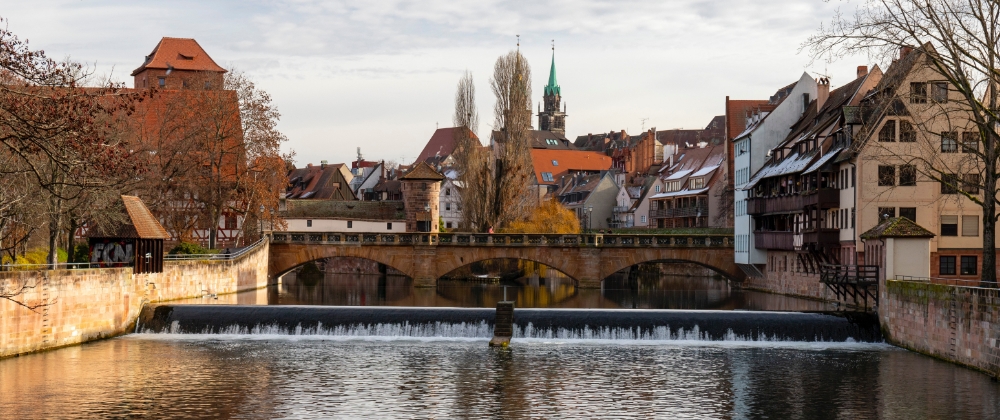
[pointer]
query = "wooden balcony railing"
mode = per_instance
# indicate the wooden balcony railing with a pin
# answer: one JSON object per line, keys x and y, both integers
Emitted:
{"x": 679, "y": 212}
{"x": 774, "y": 240}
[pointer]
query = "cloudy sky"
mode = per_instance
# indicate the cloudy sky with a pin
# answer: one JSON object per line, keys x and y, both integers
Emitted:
{"x": 381, "y": 75}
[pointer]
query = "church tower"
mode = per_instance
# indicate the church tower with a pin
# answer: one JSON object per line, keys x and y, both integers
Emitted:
{"x": 550, "y": 118}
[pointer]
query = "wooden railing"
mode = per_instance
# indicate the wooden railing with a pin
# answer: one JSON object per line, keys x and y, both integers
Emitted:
{"x": 504, "y": 239}
{"x": 774, "y": 240}
{"x": 825, "y": 199}
{"x": 679, "y": 212}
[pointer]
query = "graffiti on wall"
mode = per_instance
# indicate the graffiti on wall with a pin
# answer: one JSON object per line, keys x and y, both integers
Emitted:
{"x": 111, "y": 252}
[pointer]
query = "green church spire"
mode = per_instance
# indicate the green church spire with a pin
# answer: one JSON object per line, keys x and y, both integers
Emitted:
{"x": 553, "y": 87}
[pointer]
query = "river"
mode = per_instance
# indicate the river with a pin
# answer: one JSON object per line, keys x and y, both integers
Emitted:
{"x": 393, "y": 373}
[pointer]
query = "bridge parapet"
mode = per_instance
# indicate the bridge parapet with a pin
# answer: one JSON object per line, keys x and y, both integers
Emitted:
{"x": 505, "y": 240}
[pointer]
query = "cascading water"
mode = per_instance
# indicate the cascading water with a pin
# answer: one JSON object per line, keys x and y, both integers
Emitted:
{"x": 474, "y": 323}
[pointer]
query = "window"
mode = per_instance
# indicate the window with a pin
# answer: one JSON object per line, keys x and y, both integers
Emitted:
{"x": 969, "y": 265}
{"x": 949, "y": 184}
{"x": 970, "y": 183}
{"x": 552, "y": 142}
{"x": 907, "y": 175}
{"x": 854, "y": 216}
{"x": 309, "y": 223}
{"x": 886, "y": 213}
{"x": 555, "y": 163}
{"x": 388, "y": 226}
{"x": 447, "y": 191}
{"x": 949, "y": 225}
{"x": 230, "y": 221}
{"x": 673, "y": 186}
{"x": 643, "y": 218}
{"x": 888, "y": 132}
{"x": 970, "y": 141}
{"x": 909, "y": 213}
{"x": 696, "y": 183}
{"x": 208, "y": 85}
{"x": 657, "y": 188}
{"x": 939, "y": 92}
{"x": 423, "y": 185}
{"x": 161, "y": 81}
{"x": 854, "y": 176}
{"x": 918, "y": 93}
{"x": 447, "y": 206}
{"x": 949, "y": 142}
{"x": 906, "y": 132}
{"x": 886, "y": 175}
{"x": 447, "y": 225}
{"x": 350, "y": 224}
{"x": 547, "y": 177}
{"x": 970, "y": 225}
{"x": 946, "y": 265}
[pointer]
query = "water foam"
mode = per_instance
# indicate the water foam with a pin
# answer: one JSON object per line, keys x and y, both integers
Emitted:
{"x": 482, "y": 331}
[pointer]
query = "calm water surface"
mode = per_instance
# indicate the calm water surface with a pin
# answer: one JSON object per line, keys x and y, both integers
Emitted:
{"x": 182, "y": 376}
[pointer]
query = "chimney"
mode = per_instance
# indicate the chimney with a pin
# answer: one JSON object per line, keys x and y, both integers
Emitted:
{"x": 322, "y": 164}
{"x": 862, "y": 71}
{"x": 822, "y": 92}
{"x": 904, "y": 51}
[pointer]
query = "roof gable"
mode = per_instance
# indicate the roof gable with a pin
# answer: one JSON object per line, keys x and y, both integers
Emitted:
{"x": 422, "y": 171}
{"x": 897, "y": 227}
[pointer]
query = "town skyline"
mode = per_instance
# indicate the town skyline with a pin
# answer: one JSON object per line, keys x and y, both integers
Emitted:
{"x": 386, "y": 90}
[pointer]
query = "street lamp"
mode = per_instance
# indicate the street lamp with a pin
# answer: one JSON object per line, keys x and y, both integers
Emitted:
{"x": 590, "y": 216}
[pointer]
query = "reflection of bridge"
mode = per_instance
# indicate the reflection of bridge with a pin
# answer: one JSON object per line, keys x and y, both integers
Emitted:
{"x": 425, "y": 257}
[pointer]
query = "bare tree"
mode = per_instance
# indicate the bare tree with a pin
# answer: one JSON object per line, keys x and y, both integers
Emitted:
{"x": 472, "y": 159}
{"x": 960, "y": 41}
{"x": 512, "y": 168}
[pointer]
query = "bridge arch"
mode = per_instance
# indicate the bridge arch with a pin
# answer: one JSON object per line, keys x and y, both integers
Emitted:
{"x": 587, "y": 259}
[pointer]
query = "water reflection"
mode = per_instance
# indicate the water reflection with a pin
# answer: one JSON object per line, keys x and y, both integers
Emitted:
{"x": 268, "y": 377}
{"x": 642, "y": 292}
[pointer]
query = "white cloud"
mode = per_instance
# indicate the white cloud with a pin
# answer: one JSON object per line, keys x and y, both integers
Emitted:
{"x": 380, "y": 74}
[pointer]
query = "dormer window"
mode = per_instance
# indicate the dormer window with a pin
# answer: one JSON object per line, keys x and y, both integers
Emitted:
{"x": 547, "y": 177}
{"x": 185, "y": 57}
{"x": 696, "y": 183}
{"x": 552, "y": 142}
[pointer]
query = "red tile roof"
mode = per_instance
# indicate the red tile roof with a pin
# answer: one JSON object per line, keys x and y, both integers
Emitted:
{"x": 568, "y": 160}
{"x": 736, "y": 114}
{"x": 179, "y": 54}
{"x": 442, "y": 143}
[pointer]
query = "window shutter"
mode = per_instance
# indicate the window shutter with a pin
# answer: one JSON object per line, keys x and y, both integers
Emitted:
{"x": 970, "y": 225}
{"x": 949, "y": 220}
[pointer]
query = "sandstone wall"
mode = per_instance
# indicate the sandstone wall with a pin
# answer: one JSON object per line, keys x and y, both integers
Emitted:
{"x": 86, "y": 305}
{"x": 958, "y": 324}
{"x": 790, "y": 283}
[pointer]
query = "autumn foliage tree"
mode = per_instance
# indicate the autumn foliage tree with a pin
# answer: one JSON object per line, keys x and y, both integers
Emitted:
{"x": 549, "y": 217}
{"x": 65, "y": 138}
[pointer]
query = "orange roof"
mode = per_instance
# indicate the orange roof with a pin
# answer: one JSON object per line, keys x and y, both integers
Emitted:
{"x": 179, "y": 54}
{"x": 736, "y": 114}
{"x": 559, "y": 161}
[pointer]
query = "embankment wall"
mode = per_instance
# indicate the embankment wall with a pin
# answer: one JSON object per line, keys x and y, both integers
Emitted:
{"x": 83, "y": 305}
{"x": 957, "y": 324}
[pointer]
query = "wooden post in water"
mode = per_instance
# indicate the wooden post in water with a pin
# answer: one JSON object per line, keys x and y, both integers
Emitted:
{"x": 503, "y": 323}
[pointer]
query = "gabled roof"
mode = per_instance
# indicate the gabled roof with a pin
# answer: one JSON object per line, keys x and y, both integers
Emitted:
{"x": 897, "y": 227}
{"x": 559, "y": 161}
{"x": 179, "y": 54}
{"x": 321, "y": 182}
{"x": 422, "y": 171}
{"x": 737, "y": 111}
{"x": 442, "y": 143}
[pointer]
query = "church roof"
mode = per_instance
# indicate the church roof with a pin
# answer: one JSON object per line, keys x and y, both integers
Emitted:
{"x": 553, "y": 87}
{"x": 179, "y": 54}
{"x": 422, "y": 171}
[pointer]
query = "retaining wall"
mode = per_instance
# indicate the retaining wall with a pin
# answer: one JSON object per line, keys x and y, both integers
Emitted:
{"x": 957, "y": 324}
{"x": 85, "y": 305}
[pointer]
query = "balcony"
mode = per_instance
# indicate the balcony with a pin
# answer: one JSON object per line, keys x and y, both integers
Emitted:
{"x": 620, "y": 209}
{"x": 774, "y": 240}
{"x": 764, "y": 205}
{"x": 826, "y": 198}
{"x": 822, "y": 237}
{"x": 681, "y": 212}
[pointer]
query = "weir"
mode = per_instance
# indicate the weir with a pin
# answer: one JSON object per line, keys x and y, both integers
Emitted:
{"x": 528, "y": 323}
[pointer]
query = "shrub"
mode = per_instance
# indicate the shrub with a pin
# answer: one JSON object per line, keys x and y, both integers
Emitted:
{"x": 188, "y": 248}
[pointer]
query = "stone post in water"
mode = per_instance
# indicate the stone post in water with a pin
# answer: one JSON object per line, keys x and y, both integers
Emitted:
{"x": 503, "y": 323}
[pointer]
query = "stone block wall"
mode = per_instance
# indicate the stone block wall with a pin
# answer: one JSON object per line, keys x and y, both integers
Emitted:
{"x": 958, "y": 324}
{"x": 85, "y": 305}
{"x": 790, "y": 283}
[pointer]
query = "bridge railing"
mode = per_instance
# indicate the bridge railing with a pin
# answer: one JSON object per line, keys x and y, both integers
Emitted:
{"x": 504, "y": 239}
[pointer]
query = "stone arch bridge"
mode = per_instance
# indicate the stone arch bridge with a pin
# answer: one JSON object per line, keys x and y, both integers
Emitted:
{"x": 424, "y": 257}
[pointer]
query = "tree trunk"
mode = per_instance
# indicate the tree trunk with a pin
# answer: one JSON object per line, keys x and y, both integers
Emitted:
{"x": 55, "y": 228}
